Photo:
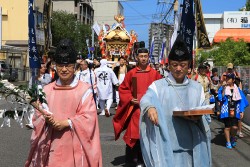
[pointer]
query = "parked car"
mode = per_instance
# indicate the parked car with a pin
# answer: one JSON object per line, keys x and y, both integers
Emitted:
{"x": 7, "y": 72}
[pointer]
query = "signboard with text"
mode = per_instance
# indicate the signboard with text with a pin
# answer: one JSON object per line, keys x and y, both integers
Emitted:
{"x": 237, "y": 19}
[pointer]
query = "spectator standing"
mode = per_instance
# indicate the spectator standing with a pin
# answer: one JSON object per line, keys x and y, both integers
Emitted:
{"x": 42, "y": 80}
{"x": 51, "y": 69}
{"x": 120, "y": 71}
{"x": 230, "y": 69}
{"x": 85, "y": 74}
{"x": 203, "y": 79}
{"x": 215, "y": 84}
{"x": 232, "y": 108}
{"x": 189, "y": 74}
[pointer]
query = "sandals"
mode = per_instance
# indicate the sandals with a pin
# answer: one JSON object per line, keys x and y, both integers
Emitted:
{"x": 240, "y": 135}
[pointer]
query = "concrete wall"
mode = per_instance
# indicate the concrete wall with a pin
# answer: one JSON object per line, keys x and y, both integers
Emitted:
{"x": 15, "y": 20}
{"x": 246, "y": 118}
{"x": 104, "y": 12}
{"x": 68, "y": 6}
{"x": 213, "y": 23}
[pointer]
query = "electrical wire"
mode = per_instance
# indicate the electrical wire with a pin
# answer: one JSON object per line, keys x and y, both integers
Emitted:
{"x": 115, "y": 1}
{"x": 137, "y": 11}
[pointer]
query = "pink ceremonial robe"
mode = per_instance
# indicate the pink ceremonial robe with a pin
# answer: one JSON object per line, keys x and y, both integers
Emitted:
{"x": 76, "y": 147}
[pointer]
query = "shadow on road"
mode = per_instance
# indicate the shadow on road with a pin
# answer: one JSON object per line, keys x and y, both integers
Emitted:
{"x": 119, "y": 161}
{"x": 219, "y": 138}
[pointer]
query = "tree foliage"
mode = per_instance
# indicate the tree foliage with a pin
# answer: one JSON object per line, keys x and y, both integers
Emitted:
{"x": 248, "y": 5}
{"x": 226, "y": 52}
{"x": 65, "y": 25}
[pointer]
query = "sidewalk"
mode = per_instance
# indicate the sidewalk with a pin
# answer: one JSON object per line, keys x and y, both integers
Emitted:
{"x": 245, "y": 129}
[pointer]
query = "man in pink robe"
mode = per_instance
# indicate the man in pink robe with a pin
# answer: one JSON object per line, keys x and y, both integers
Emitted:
{"x": 68, "y": 137}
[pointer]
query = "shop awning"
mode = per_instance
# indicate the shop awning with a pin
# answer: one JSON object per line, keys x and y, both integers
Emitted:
{"x": 235, "y": 34}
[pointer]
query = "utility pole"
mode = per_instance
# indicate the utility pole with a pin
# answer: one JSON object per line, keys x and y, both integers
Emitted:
{"x": 93, "y": 42}
{"x": 0, "y": 27}
{"x": 163, "y": 21}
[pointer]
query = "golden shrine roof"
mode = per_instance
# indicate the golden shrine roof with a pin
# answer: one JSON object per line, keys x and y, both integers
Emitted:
{"x": 117, "y": 32}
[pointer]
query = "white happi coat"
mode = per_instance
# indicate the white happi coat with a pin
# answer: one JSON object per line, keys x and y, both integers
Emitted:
{"x": 106, "y": 78}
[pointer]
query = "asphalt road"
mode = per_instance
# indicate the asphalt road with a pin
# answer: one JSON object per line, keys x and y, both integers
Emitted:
{"x": 14, "y": 146}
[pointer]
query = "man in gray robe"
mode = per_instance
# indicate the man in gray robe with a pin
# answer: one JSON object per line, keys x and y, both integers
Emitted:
{"x": 174, "y": 141}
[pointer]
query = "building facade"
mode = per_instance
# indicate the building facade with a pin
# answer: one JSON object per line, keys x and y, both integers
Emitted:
{"x": 82, "y": 9}
{"x": 213, "y": 23}
{"x": 233, "y": 24}
{"x": 159, "y": 33}
{"x": 105, "y": 10}
{"x": 15, "y": 33}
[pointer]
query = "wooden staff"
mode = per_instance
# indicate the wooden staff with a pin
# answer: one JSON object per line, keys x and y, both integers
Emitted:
{"x": 134, "y": 93}
{"x": 134, "y": 86}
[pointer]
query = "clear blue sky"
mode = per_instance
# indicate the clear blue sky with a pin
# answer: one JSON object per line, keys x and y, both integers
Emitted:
{"x": 138, "y": 13}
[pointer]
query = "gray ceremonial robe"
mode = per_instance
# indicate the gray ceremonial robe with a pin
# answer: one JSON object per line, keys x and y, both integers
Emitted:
{"x": 175, "y": 142}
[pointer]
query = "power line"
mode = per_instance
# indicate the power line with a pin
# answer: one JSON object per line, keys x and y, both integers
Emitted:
{"x": 126, "y": 16}
{"x": 137, "y": 24}
{"x": 115, "y": 1}
{"x": 170, "y": 9}
{"x": 137, "y": 11}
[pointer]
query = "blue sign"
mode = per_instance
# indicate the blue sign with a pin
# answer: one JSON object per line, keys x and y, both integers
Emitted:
{"x": 34, "y": 59}
{"x": 89, "y": 56}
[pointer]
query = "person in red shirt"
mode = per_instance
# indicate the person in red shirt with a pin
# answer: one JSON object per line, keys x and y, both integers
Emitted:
{"x": 128, "y": 111}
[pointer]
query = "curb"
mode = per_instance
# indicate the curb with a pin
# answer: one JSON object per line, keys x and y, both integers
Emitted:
{"x": 246, "y": 129}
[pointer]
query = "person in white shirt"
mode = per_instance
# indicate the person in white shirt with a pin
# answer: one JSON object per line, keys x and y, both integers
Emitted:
{"x": 42, "y": 80}
{"x": 86, "y": 74}
{"x": 106, "y": 78}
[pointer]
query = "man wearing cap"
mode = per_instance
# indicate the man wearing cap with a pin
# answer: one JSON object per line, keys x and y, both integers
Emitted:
{"x": 68, "y": 133}
{"x": 214, "y": 86}
{"x": 174, "y": 141}
{"x": 230, "y": 69}
{"x": 203, "y": 79}
{"x": 128, "y": 111}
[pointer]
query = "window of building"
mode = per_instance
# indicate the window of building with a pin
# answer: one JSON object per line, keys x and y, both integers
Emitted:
{"x": 39, "y": 20}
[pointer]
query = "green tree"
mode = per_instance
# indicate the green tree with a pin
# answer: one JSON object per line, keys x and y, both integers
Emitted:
{"x": 248, "y": 5}
{"x": 65, "y": 25}
{"x": 226, "y": 52}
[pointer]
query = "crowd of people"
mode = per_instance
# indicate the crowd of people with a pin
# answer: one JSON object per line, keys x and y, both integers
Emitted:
{"x": 145, "y": 95}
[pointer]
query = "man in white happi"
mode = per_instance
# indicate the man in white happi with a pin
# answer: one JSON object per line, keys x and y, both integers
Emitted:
{"x": 105, "y": 78}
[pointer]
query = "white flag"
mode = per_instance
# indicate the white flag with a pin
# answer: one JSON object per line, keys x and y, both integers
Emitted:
{"x": 175, "y": 33}
{"x": 96, "y": 28}
{"x": 104, "y": 29}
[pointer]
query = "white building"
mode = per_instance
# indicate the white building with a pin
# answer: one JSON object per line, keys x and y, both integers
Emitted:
{"x": 233, "y": 24}
{"x": 105, "y": 10}
{"x": 82, "y": 9}
{"x": 213, "y": 22}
